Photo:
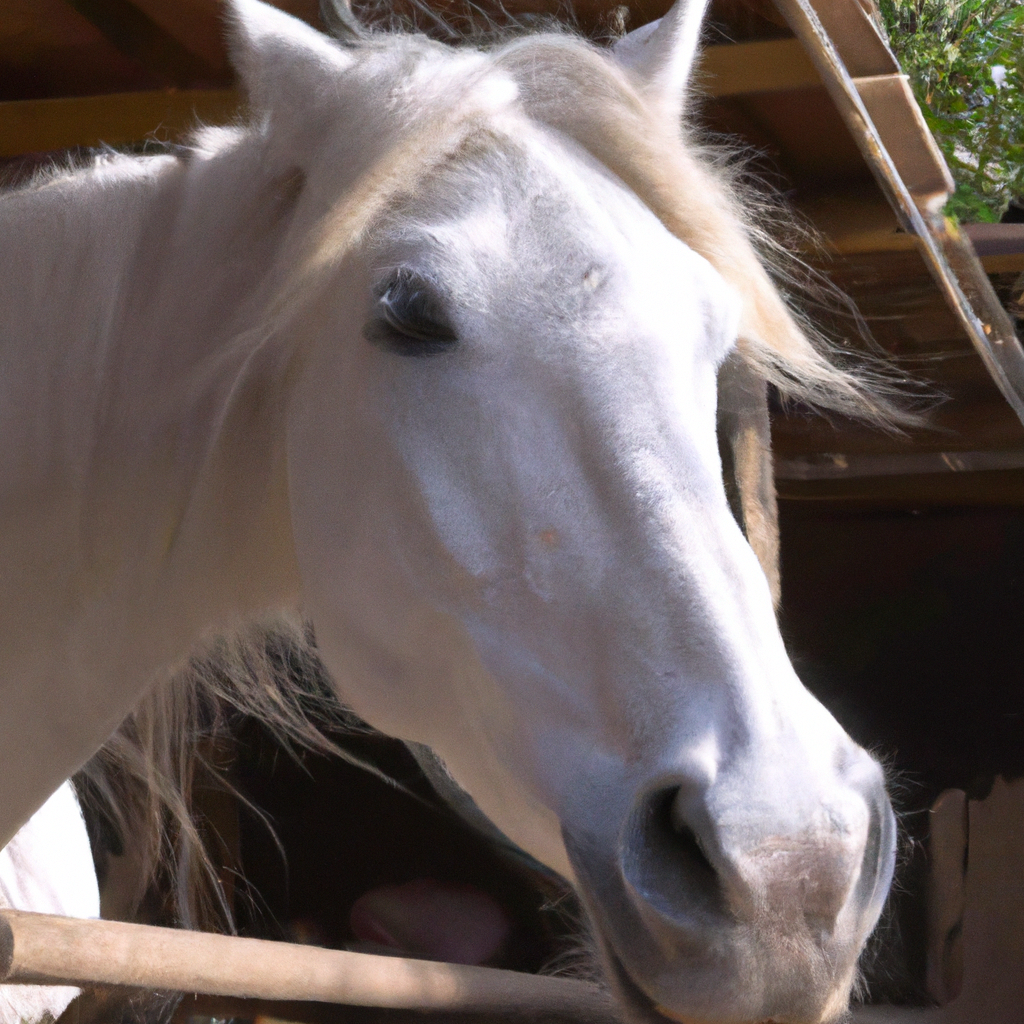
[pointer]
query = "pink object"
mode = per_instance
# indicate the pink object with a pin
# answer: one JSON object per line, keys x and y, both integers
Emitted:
{"x": 449, "y": 921}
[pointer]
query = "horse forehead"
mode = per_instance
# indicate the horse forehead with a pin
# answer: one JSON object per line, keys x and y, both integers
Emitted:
{"x": 419, "y": 75}
{"x": 542, "y": 195}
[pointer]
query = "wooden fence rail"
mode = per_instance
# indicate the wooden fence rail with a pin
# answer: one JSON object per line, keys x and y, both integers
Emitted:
{"x": 40, "y": 949}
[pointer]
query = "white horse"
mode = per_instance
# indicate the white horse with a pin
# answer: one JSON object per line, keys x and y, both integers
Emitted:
{"x": 47, "y": 867}
{"x": 427, "y": 349}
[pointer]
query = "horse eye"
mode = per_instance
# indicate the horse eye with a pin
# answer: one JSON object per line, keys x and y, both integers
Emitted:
{"x": 410, "y": 319}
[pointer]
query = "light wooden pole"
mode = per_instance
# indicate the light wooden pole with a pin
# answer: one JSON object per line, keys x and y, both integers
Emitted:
{"x": 39, "y": 949}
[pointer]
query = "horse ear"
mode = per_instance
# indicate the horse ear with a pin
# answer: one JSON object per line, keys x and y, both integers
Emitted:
{"x": 661, "y": 55}
{"x": 341, "y": 21}
{"x": 282, "y": 62}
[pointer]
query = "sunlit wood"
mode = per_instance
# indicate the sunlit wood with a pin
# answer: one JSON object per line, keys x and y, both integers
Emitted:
{"x": 34, "y": 126}
{"x": 41, "y": 949}
{"x": 769, "y": 66}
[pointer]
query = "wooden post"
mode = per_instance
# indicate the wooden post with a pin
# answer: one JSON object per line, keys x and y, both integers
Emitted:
{"x": 41, "y": 949}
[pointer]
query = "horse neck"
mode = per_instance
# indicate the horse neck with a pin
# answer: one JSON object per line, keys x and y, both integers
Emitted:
{"x": 142, "y": 477}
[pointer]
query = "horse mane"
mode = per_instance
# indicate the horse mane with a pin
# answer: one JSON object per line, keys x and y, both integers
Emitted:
{"x": 142, "y": 778}
{"x": 138, "y": 788}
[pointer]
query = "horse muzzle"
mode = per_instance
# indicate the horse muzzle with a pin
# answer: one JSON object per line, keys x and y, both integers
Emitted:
{"x": 726, "y": 904}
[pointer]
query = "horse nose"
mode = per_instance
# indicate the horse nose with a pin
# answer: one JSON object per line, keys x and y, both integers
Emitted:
{"x": 666, "y": 865}
{"x": 810, "y": 872}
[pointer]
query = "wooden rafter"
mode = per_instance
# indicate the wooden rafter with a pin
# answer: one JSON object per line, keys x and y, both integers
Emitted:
{"x": 136, "y": 35}
{"x": 44, "y": 125}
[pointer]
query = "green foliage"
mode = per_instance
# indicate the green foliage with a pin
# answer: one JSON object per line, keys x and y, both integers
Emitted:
{"x": 949, "y": 49}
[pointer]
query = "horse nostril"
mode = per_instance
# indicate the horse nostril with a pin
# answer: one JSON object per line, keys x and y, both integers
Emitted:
{"x": 687, "y": 843}
{"x": 665, "y": 863}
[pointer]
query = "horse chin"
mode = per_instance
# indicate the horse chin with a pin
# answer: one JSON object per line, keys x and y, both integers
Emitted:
{"x": 638, "y": 1008}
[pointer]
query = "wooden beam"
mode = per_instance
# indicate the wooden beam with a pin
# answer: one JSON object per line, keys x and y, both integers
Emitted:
{"x": 769, "y": 66}
{"x": 947, "y": 253}
{"x": 1009, "y": 263}
{"x": 856, "y": 220}
{"x": 39, "y": 949}
{"x": 856, "y": 36}
{"x": 48, "y": 49}
{"x": 41, "y": 126}
{"x": 197, "y": 24}
{"x": 984, "y": 489}
{"x": 999, "y": 246}
{"x": 901, "y": 125}
{"x": 136, "y": 35}
{"x": 834, "y": 466}
{"x": 44, "y": 125}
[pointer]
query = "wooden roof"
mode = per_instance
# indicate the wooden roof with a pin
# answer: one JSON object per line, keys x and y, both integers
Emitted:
{"x": 810, "y": 85}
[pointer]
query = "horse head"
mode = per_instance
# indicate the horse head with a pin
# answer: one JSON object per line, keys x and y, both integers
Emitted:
{"x": 514, "y": 287}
